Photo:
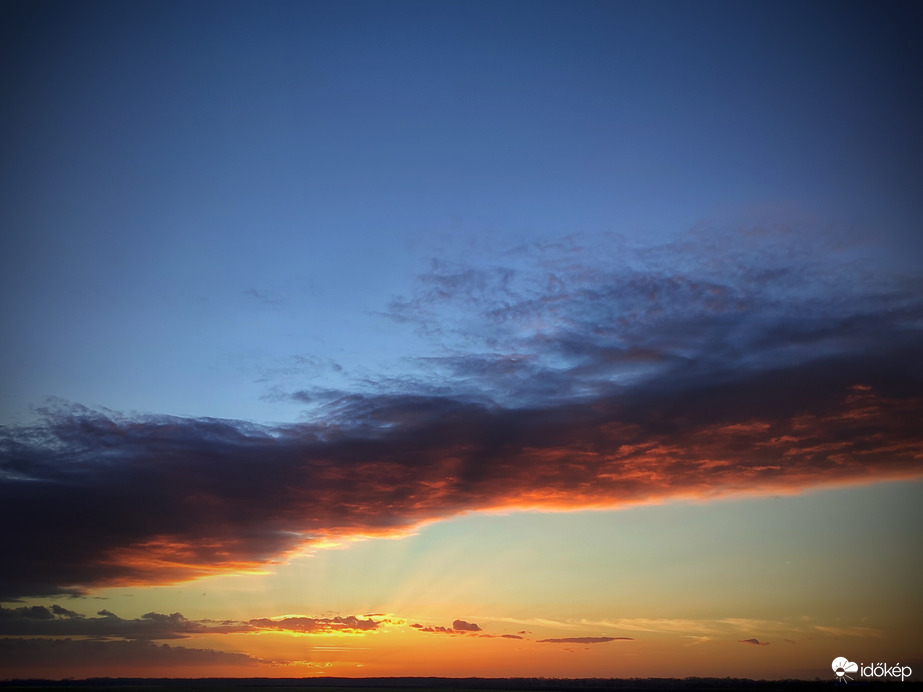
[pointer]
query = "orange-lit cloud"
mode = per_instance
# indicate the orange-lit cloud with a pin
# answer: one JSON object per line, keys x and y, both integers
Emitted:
{"x": 56, "y": 621}
{"x": 306, "y": 625}
{"x": 180, "y": 518}
{"x": 458, "y": 627}
{"x": 694, "y": 378}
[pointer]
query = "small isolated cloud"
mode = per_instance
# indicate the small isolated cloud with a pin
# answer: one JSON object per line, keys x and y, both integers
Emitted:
{"x": 755, "y": 642}
{"x": 584, "y": 640}
{"x": 510, "y": 636}
{"x": 462, "y": 626}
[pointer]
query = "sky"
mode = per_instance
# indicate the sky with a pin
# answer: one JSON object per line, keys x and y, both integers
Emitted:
{"x": 533, "y": 339}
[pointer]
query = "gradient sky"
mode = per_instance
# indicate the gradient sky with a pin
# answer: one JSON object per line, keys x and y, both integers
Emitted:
{"x": 460, "y": 338}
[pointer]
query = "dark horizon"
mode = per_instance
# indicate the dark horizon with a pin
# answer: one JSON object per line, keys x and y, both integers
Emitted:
{"x": 694, "y": 684}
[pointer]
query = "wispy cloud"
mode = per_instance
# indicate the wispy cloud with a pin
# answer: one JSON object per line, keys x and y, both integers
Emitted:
{"x": 267, "y": 297}
{"x": 584, "y": 640}
{"x": 581, "y": 317}
{"x": 702, "y": 630}
{"x": 593, "y": 379}
{"x": 849, "y": 631}
{"x": 755, "y": 642}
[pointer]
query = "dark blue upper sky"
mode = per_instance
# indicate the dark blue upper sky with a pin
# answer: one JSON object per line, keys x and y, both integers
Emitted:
{"x": 207, "y": 206}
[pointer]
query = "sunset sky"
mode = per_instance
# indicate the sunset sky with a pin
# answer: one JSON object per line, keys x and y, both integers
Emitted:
{"x": 562, "y": 339}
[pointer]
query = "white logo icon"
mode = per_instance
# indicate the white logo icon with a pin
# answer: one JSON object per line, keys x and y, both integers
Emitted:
{"x": 841, "y": 666}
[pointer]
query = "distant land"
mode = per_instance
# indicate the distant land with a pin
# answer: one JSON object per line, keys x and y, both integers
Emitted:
{"x": 446, "y": 684}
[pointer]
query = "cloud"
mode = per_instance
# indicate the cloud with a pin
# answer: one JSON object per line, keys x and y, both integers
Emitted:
{"x": 350, "y": 624}
{"x": 755, "y": 642}
{"x": 458, "y": 627}
{"x": 267, "y": 297}
{"x": 577, "y": 319}
{"x": 40, "y": 621}
{"x": 70, "y": 654}
{"x": 462, "y": 626}
{"x": 701, "y": 628}
{"x": 593, "y": 378}
{"x": 673, "y": 625}
{"x": 27, "y": 613}
{"x": 584, "y": 640}
{"x": 855, "y": 631}
{"x": 697, "y": 639}
{"x": 59, "y": 610}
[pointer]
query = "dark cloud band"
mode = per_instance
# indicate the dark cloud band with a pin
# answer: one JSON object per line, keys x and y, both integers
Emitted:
{"x": 760, "y": 379}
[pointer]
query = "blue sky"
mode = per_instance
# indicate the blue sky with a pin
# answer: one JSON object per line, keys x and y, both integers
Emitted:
{"x": 283, "y": 276}
{"x": 199, "y": 197}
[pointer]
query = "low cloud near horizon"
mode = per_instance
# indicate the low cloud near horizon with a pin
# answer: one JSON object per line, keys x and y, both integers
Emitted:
{"x": 55, "y": 621}
{"x": 39, "y": 621}
{"x": 584, "y": 640}
{"x": 111, "y": 655}
{"x": 570, "y": 379}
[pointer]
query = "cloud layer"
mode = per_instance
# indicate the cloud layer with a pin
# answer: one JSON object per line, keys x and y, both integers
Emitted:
{"x": 59, "y": 622}
{"x": 49, "y": 654}
{"x": 571, "y": 377}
